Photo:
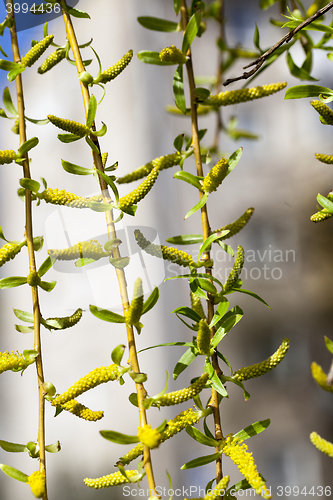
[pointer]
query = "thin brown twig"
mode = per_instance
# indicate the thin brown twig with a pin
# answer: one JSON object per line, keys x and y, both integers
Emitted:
{"x": 260, "y": 61}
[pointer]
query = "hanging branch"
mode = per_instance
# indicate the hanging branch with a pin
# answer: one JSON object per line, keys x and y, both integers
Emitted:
{"x": 260, "y": 61}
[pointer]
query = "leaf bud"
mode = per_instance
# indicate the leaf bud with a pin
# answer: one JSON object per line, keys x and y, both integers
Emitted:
{"x": 33, "y": 279}
{"x": 85, "y": 77}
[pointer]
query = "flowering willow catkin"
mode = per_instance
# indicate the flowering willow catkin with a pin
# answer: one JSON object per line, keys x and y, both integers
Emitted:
{"x": 81, "y": 411}
{"x": 51, "y": 61}
{"x": 13, "y": 361}
{"x": 235, "y": 271}
{"x": 37, "y": 482}
{"x": 89, "y": 381}
{"x": 86, "y": 249}
{"x": 62, "y": 197}
{"x": 9, "y": 251}
{"x": 324, "y": 158}
{"x": 264, "y": 366}
{"x": 173, "y": 55}
{"x": 203, "y": 338}
{"x": 36, "y": 51}
{"x": 7, "y": 156}
{"x": 325, "y": 112}
{"x": 141, "y": 191}
{"x": 216, "y": 175}
{"x": 167, "y": 253}
{"x": 114, "y": 479}
{"x": 242, "y": 95}
{"x": 237, "y": 225}
{"x": 177, "y": 397}
{"x": 116, "y": 69}
{"x": 320, "y": 377}
{"x": 196, "y": 305}
{"x": 321, "y": 444}
{"x": 134, "y": 312}
{"x": 163, "y": 162}
{"x": 75, "y": 128}
{"x": 149, "y": 437}
{"x": 66, "y": 322}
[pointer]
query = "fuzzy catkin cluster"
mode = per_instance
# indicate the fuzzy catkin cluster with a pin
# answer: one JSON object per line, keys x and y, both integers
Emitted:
{"x": 242, "y": 95}
{"x": 9, "y": 251}
{"x": 134, "y": 312}
{"x": 149, "y": 437}
{"x": 325, "y": 112}
{"x": 37, "y": 482}
{"x": 173, "y": 55}
{"x": 196, "y": 305}
{"x": 140, "y": 192}
{"x": 238, "y": 452}
{"x": 177, "y": 397}
{"x": 265, "y": 366}
{"x": 320, "y": 377}
{"x": 203, "y": 338}
{"x": 82, "y": 411}
{"x": 321, "y": 444}
{"x": 163, "y": 162}
{"x": 53, "y": 59}
{"x": 236, "y": 270}
{"x": 62, "y": 197}
{"x": 70, "y": 126}
{"x": 324, "y": 158}
{"x": 237, "y": 225}
{"x": 89, "y": 381}
{"x": 116, "y": 69}
{"x": 37, "y": 50}
{"x": 167, "y": 253}
{"x": 7, "y": 156}
{"x": 219, "y": 490}
{"x": 86, "y": 249}
{"x": 114, "y": 479}
{"x": 13, "y": 361}
{"x": 216, "y": 175}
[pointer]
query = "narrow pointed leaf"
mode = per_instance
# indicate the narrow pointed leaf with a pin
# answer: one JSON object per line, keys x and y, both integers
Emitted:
{"x": 110, "y": 183}
{"x": 198, "y": 462}
{"x": 191, "y": 31}
{"x": 185, "y": 239}
{"x": 44, "y": 121}
{"x": 325, "y": 203}
{"x": 184, "y": 362}
{"x": 253, "y": 429}
{"x": 14, "y": 473}
{"x": 8, "y": 103}
{"x": 84, "y": 261}
{"x": 96, "y": 206}
{"x": 8, "y": 65}
{"x": 14, "y": 72}
{"x": 178, "y": 89}
{"x": 30, "y": 184}
{"x": 47, "y": 264}
{"x": 206, "y": 245}
{"x": 27, "y": 145}
{"x": 106, "y": 315}
{"x": 12, "y": 282}
{"x": 47, "y": 286}
{"x": 301, "y": 91}
{"x": 92, "y": 108}
{"x": 254, "y": 295}
{"x": 71, "y": 168}
{"x": 197, "y": 207}
{"x": 24, "y": 316}
{"x": 119, "y": 438}
{"x": 157, "y": 24}
{"x": 76, "y": 12}
{"x": 151, "y": 57}
{"x": 188, "y": 312}
{"x": 53, "y": 448}
{"x": 200, "y": 437}
{"x": 329, "y": 344}
{"x": 12, "y": 447}
{"x": 298, "y": 72}
{"x": 220, "y": 312}
{"x": 120, "y": 263}
{"x": 176, "y": 6}
{"x": 234, "y": 159}
{"x": 101, "y": 132}
{"x": 189, "y": 178}
{"x": 117, "y": 354}
{"x": 151, "y": 301}
{"x": 24, "y": 329}
{"x": 66, "y": 138}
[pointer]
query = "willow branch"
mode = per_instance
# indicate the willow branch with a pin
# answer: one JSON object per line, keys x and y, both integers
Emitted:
{"x": 31, "y": 253}
{"x": 97, "y": 158}
{"x": 260, "y": 61}
{"x": 214, "y": 402}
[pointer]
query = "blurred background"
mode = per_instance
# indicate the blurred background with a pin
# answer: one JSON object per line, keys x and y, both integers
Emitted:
{"x": 289, "y": 258}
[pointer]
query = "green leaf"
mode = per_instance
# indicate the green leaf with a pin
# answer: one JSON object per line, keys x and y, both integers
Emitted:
{"x": 188, "y": 313}
{"x": 92, "y": 108}
{"x": 298, "y": 72}
{"x": 119, "y": 438}
{"x": 325, "y": 203}
{"x": 24, "y": 329}
{"x": 185, "y": 239}
{"x": 53, "y": 448}
{"x": 47, "y": 264}
{"x": 206, "y": 285}
{"x": 301, "y": 91}
{"x": 219, "y": 313}
{"x": 254, "y": 295}
{"x": 14, "y": 72}
{"x": 8, "y": 65}
{"x": 191, "y": 31}
{"x": 38, "y": 242}
{"x": 24, "y": 316}
{"x": 207, "y": 244}
{"x": 106, "y": 315}
{"x": 234, "y": 159}
{"x": 110, "y": 183}
{"x": 200, "y": 437}
{"x": 12, "y": 447}
{"x": 253, "y": 429}
{"x": 256, "y": 38}
{"x": 198, "y": 462}
{"x": 30, "y": 184}
{"x": 101, "y": 132}
{"x": 47, "y": 286}
{"x": 157, "y": 24}
{"x": 151, "y": 57}
{"x": 176, "y": 6}
{"x": 84, "y": 261}
{"x": 71, "y": 168}
{"x": 117, "y": 354}
{"x": 14, "y": 473}
{"x": 27, "y": 145}
{"x": 92, "y": 145}
{"x": 178, "y": 142}
{"x": 329, "y": 344}
{"x": 12, "y": 282}
{"x": 66, "y": 138}
{"x": 183, "y": 363}
{"x": 76, "y": 13}
{"x": 201, "y": 94}
{"x": 199, "y": 205}
{"x": 151, "y": 301}
{"x": 314, "y": 26}
{"x": 133, "y": 399}
{"x": 2, "y": 236}
{"x": 218, "y": 386}
{"x": 8, "y": 103}
{"x": 38, "y": 122}
{"x": 189, "y": 178}
{"x": 120, "y": 263}
{"x": 96, "y": 206}
{"x": 178, "y": 89}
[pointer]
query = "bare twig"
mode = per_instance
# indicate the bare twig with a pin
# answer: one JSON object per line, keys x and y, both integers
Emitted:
{"x": 260, "y": 61}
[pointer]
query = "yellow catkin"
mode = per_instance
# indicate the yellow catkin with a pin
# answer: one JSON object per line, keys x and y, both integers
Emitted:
{"x": 82, "y": 411}
{"x": 265, "y": 366}
{"x": 237, "y": 225}
{"x": 321, "y": 444}
{"x": 321, "y": 215}
{"x": 52, "y": 60}
{"x": 219, "y": 490}
{"x": 86, "y": 249}
{"x": 320, "y": 377}
{"x": 62, "y": 197}
{"x": 203, "y": 338}
{"x": 36, "y": 51}
{"x": 13, "y": 361}
{"x": 235, "y": 271}
{"x": 92, "y": 379}
{"x": 70, "y": 126}
{"x": 116, "y": 69}
{"x": 173, "y": 427}
{"x": 196, "y": 305}
{"x": 167, "y": 253}
{"x": 149, "y": 437}
{"x": 9, "y": 251}
{"x": 325, "y": 112}
{"x": 163, "y": 162}
{"x": 238, "y": 452}
{"x": 324, "y": 158}
{"x": 37, "y": 482}
{"x": 242, "y": 95}
{"x": 7, "y": 156}
{"x": 68, "y": 321}
{"x": 134, "y": 313}
{"x": 141, "y": 191}
{"x": 177, "y": 397}
{"x": 173, "y": 55}
{"x": 114, "y": 479}
{"x": 216, "y": 175}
